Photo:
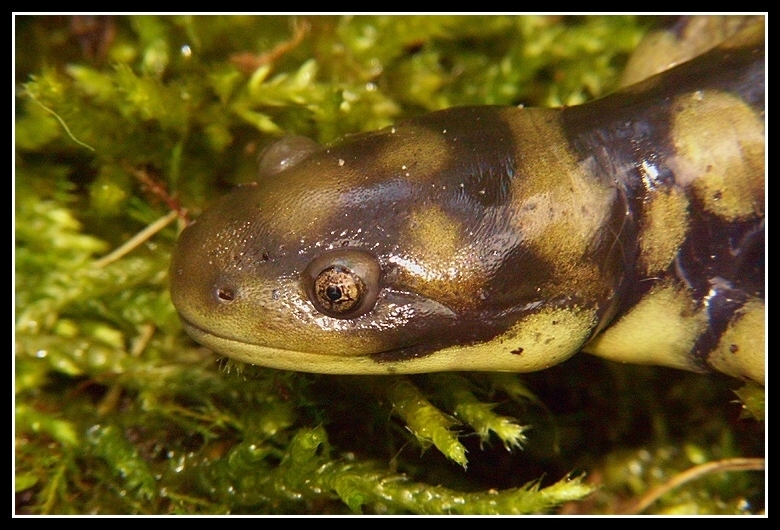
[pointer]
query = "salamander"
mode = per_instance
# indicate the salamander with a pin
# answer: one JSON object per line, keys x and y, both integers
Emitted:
{"x": 503, "y": 238}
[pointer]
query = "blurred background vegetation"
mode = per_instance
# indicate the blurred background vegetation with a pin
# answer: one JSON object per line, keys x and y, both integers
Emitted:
{"x": 121, "y": 120}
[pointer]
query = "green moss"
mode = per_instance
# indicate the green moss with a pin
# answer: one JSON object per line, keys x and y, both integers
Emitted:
{"x": 117, "y": 411}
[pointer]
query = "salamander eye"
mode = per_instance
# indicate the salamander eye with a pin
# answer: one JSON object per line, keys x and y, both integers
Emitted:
{"x": 343, "y": 283}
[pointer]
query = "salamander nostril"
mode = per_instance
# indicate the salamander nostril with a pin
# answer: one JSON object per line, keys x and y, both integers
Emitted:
{"x": 225, "y": 295}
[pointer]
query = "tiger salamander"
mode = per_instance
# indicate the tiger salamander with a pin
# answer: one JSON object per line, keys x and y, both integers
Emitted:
{"x": 503, "y": 238}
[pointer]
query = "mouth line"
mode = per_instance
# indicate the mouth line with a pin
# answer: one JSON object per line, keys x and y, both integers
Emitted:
{"x": 397, "y": 354}
{"x": 292, "y": 360}
{"x": 389, "y": 362}
{"x": 194, "y": 330}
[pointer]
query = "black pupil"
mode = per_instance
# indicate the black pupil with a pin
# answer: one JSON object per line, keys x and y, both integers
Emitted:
{"x": 333, "y": 292}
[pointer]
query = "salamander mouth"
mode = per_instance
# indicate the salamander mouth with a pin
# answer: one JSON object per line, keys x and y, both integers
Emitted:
{"x": 305, "y": 361}
{"x": 195, "y": 331}
{"x": 202, "y": 335}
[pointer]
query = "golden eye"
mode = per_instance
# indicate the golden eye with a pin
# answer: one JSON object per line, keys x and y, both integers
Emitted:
{"x": 343, "y": 283}
{"x": 338, "y": 291}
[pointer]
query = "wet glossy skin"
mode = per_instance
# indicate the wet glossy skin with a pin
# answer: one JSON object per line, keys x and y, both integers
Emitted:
{"x": 492, "y": 238}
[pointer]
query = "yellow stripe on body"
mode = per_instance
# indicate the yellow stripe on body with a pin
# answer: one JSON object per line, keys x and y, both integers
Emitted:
{"x": 661, "y": 329}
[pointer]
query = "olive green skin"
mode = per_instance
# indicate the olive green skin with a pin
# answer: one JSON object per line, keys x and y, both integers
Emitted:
{"x": 503, "y": 238}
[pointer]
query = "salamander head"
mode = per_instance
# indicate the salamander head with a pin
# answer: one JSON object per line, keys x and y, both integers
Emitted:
{"x": 394, "y": 251}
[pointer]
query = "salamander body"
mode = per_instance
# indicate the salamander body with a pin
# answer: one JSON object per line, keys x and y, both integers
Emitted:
{"x": 503, "y": 238}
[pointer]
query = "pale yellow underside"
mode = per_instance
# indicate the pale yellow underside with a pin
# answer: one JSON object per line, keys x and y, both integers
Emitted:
{"x": 536, "y": 342}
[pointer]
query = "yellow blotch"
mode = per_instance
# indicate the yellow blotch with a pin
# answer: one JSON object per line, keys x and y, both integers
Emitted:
{"x": 664, "y": 227}
{"x": 311, "y": 193}
{"x": 438, "y": 263}
{"x": 413, "y": 152}
{"x": 662, "y": 50}
{"x": 752, "y": 35}
{"x": 433, "y": 235}
{"x": 719, "y": 151}
{"x": 741, "y": 350}
{"x": 560, "y": 205}
{"x": 538, "y": 341}
{"x": 660, "y": 330}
